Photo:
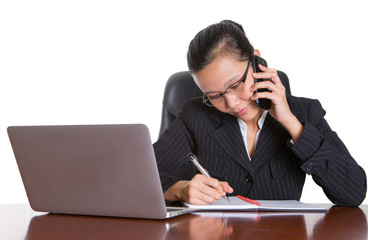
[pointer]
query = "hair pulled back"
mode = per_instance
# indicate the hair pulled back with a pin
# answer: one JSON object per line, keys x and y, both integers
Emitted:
{"x": 223, "y": 38}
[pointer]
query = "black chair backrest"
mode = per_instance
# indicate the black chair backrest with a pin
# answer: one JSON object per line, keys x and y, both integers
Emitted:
{"x": 181, "y": 87}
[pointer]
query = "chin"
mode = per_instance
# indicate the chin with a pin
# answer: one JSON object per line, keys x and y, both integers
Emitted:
{"x": 252, "y": 112}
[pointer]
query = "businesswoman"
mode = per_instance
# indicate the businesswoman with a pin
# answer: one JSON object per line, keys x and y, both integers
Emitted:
{"x": 247, "y": 150}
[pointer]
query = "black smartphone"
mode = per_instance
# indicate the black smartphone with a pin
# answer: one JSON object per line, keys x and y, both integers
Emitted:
{"x": 261, "y": 102}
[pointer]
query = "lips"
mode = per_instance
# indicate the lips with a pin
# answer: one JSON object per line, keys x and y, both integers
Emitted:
{"x": 243, "y": 111}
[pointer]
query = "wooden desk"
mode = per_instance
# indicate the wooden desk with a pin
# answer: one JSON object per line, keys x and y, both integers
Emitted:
{"x": 18, "y": 221}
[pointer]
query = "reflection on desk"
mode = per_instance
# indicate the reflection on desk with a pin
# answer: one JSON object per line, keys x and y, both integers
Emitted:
{"x": 342, "y": 223}
{"x": 337, "y": 223}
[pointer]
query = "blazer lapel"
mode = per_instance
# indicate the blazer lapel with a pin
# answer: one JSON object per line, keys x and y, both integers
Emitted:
{"x": 228, "y": 136}
{"x": 273, "y": 136}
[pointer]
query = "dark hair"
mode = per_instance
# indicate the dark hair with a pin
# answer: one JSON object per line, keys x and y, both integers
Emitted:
{"x": 225, "y": 37}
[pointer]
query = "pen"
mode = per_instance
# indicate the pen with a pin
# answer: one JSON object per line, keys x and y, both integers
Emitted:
{"x": 194, "y": 160}
{"x": 248, "y": 200}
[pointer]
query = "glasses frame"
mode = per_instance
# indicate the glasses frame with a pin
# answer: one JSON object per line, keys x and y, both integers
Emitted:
{"x": 208, "y": 102}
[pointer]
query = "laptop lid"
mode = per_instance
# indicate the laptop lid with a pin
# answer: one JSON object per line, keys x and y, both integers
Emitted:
{"x": 105, "y": 170}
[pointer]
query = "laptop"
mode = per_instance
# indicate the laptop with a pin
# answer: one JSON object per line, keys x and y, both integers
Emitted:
{"x": 101, "y": 170}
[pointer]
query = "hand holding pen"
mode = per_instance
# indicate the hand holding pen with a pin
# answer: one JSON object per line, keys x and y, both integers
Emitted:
{"x": 194, "y": 160}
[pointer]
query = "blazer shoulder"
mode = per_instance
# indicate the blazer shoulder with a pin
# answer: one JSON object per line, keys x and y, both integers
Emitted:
{"x": 193, "y": 104}
{"x": 306, "y": 109}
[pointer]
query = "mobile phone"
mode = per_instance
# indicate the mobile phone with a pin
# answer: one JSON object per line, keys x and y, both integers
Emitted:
{"x": 261, "y": 102}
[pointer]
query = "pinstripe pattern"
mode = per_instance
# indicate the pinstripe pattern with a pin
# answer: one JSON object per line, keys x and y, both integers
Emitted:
{"x": 277, "y": 170}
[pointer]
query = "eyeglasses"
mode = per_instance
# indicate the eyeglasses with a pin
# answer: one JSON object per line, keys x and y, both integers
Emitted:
{"x": 212, "y": 99}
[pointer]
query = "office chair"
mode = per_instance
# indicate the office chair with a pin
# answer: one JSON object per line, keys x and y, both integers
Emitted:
{"x": 180, "y": 87}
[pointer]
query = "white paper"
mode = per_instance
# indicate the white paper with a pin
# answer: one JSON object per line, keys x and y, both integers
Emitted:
{"x": 266, "y": 205}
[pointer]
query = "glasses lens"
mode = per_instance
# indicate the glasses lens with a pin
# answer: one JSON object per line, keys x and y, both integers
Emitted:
{"x": 237, "y": 87}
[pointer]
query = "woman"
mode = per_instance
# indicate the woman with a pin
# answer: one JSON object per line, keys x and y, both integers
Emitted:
{"x": 250, "y": 151}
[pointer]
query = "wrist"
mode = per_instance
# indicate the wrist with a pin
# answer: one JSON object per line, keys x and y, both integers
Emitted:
{"x": 176, "y": 191}
{"x": 288, "y": 120}
{"x": 294, "y": 127}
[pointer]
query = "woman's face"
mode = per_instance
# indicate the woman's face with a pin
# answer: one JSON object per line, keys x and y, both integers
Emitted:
{"x": 218, "y": 76}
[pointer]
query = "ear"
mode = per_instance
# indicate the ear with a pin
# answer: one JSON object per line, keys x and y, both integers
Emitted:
{"x": 257, "y": 52}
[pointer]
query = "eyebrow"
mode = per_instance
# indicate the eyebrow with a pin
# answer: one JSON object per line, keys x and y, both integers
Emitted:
{"x": 226, "y": 85}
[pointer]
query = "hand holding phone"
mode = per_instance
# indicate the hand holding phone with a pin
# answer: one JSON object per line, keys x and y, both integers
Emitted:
{"x": 261, "y": 102}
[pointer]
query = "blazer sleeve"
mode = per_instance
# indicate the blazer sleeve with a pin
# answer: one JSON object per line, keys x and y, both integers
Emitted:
{"x": 324, "y": 156}
{"x": 171, "y": 152}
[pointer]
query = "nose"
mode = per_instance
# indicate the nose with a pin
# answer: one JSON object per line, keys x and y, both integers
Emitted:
{"x": 231, "y": 100}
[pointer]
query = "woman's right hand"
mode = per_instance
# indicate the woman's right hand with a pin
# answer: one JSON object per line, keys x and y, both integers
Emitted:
{"x": 200, "y": 190}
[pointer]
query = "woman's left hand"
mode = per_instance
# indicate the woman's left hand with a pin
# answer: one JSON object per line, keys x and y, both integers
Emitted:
{"x": 280, "y": 108}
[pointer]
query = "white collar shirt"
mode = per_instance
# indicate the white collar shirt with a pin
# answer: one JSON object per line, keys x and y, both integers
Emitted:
{"x": 244, "y": 128}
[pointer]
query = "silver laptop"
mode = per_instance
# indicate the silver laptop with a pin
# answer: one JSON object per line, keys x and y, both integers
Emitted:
{"x": 103, "y": 170}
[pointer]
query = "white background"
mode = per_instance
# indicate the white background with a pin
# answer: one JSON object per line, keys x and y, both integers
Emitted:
{"x": 106, "y": 62}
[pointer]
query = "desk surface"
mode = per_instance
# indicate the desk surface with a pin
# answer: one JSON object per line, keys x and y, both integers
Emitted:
{"x": 18, "y": 221}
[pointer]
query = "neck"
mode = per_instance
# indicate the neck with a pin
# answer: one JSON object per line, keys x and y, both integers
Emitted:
{"x": 253, "y": 123}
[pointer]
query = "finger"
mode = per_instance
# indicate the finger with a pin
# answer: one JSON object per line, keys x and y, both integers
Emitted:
{"x": 226, "y": 187}
{"x": 208, "y": 186}
{"x": 269, "y": 73}
{"x": 204, "y": 199}
{"x": 196, "y": 193}
{"x": 269, "y": 85}
{"x": 214, "y": 188}
{"x": 199, "y": 198}
{"x": 266, "y": 69}
{"x": 275, "y": 99}
{"x": 273, "y": 77}
{"x": 267, "y": 95}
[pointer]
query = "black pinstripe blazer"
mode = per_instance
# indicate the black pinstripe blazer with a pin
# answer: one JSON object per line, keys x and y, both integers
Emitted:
{"x": 277, "y": 170}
